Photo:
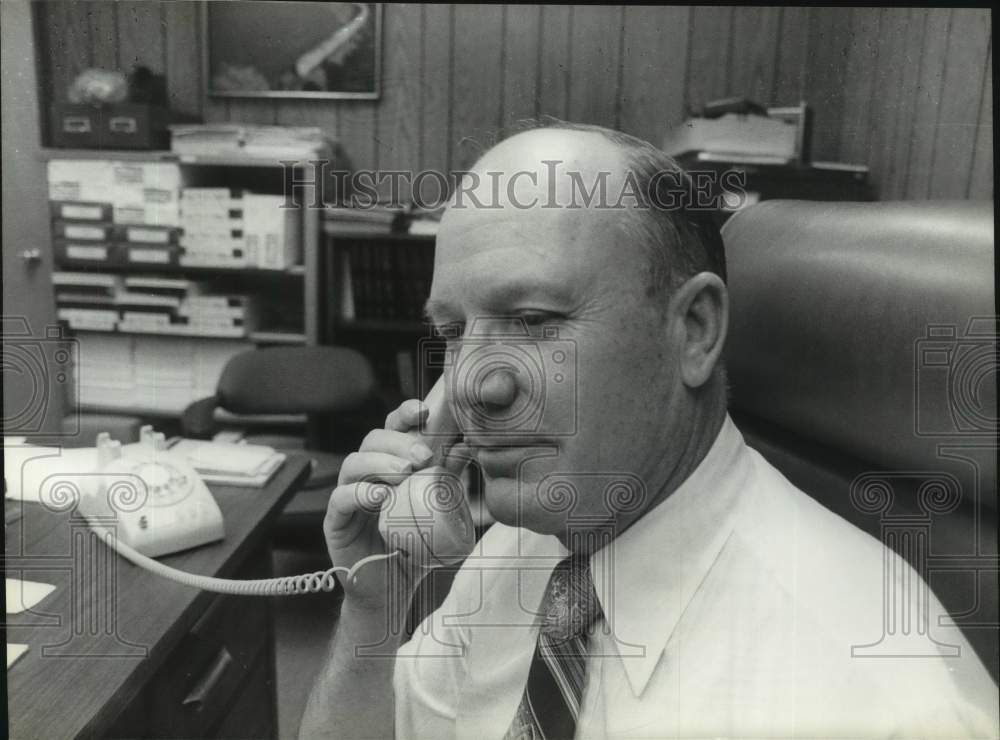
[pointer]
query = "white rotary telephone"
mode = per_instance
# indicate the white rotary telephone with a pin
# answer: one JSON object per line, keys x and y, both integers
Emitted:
{"x": 155, "y": 500}
{"x": 145, "y": 502}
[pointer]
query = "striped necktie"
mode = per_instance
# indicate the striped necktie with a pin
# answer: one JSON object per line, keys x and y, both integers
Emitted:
{"x": 550, "y": 705}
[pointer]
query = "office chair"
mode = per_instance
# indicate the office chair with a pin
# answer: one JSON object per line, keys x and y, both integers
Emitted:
{"x": 330, "y": 385}
{"x": 862, "y": 360}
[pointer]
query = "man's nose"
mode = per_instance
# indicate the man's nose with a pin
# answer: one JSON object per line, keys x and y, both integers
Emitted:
{"x": 498, "y": 389}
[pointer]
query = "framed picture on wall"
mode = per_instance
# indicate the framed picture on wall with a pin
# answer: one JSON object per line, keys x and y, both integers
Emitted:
{"x": 282, "y": 49}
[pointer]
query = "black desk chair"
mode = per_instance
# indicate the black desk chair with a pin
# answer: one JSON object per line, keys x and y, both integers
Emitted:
{"x": 329, "y": 385}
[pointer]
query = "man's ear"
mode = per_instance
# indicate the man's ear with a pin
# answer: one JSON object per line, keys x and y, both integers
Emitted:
{"x": 701, "y": 309}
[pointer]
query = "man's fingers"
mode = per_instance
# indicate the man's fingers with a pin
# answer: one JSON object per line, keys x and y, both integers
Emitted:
{"x": 457, "y": 457}
{"x": 399, "y": 444}
{"x": 374, "y": 467}
{"x": 407, "y": 416}
{"x": 347, "y": 500}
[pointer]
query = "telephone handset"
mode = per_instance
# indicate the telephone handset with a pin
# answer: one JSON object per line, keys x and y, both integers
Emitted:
{"x": 428, "y": 515}
{"x": 173, "y": 510}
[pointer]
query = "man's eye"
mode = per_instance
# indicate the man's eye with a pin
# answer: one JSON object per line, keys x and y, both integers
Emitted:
{"x": 537, "y": 318}
{"x": 451, "y": 330}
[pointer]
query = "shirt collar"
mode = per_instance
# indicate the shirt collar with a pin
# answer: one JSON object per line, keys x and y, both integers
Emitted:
{"x": 648, "y": 575}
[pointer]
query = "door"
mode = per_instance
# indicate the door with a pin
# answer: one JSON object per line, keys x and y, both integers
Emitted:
{"x": 37, "y": 362}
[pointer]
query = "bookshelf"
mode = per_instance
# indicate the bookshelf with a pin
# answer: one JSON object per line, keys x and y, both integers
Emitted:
{"x": 378, "y": 283}
{"x": 286, "y": 300}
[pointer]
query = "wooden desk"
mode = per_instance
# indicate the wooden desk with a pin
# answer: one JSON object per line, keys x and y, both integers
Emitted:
{"x": 116, "y": 651}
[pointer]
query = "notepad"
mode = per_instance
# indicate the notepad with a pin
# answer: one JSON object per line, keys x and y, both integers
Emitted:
{"x": 22, "y": 595}
{"x": 227, "y": 463}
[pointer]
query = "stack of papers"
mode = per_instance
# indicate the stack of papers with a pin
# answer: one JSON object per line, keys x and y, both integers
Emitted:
{"x": 767, "y": 140}
{"x": 230, "y": 464}
{"x": 228, "y": 139}
{"x": 22, "y": 596}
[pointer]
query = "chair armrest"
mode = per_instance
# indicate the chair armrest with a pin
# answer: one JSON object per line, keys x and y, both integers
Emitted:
{"x": 198, "y": 419}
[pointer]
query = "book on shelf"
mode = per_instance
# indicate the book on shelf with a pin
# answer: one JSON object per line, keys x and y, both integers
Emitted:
{"x": 388, "y": 281}
{"x": 345, "y": 290}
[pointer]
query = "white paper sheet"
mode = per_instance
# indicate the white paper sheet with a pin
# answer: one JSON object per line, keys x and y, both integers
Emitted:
{"x": 28, "y": 469}
{"x": 14, "y": 651}
{"x": 23, "y": 595}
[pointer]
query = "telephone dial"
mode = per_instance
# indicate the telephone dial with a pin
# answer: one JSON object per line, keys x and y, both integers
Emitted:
{"x": 158, "y": 504}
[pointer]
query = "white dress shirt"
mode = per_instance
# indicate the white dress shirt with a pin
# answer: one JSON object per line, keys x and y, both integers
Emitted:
{"x": 730, "y": 609}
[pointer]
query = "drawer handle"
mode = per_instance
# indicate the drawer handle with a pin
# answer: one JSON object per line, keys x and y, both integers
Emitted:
{"x": 76, "y": 125}
{"x": 123, "y": 125}
{"x": 198, "y": 696}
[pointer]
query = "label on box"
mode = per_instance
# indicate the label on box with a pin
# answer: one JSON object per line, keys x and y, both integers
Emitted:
{"x": 147, "y": 215}
{"x": 158, "y": 195}
{"x": 159, "y": 256}
{"x": 128, "y": 174}
{"x": 81, "y": 212}
{"x": 86, "y": 252}
{"x": 66, "y": 190}
{"x": 130, "y": 214}
{"x": 206, "y": 194}
{"x": 83, "y": 231}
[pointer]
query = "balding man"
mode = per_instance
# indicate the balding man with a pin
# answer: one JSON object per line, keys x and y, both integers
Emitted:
{"x": 649, "y": 575}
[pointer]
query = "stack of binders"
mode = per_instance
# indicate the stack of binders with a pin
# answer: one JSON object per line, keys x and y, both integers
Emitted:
{"x": 106, "y": 212}
{"x": 87, "y": 300}
{"x": 212, "y": 220}
{"x": 223, "y": 228}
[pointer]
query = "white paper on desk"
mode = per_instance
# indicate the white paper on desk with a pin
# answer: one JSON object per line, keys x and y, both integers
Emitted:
{"x": 27, "y": 469}
{"x": 14, "y": 651}
{"x": 23, "y": 595}
{"x": 225, "y": 457}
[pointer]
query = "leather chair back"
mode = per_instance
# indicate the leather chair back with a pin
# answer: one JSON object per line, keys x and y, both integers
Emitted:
{"x": 862, "y": 361}
{"x": 296, "y": 380}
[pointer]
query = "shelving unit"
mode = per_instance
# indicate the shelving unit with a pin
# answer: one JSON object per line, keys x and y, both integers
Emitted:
{"x": 291, "y": 296}
{"x": 249, "y": 273}
{"x": 266, "y": 172}
{"x": 397, "y": 341}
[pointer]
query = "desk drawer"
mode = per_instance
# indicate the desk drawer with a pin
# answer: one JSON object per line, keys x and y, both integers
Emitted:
{"x": 252, "y": 713}
{"x": 212, "y": 664}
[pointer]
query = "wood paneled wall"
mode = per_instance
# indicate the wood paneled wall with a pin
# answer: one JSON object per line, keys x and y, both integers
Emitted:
{"x": 907, "y": 91}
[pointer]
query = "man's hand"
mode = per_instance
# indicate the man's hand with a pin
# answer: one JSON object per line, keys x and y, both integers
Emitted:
{"x": 386, "y": 458}
{"x": 354, "y": 689}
